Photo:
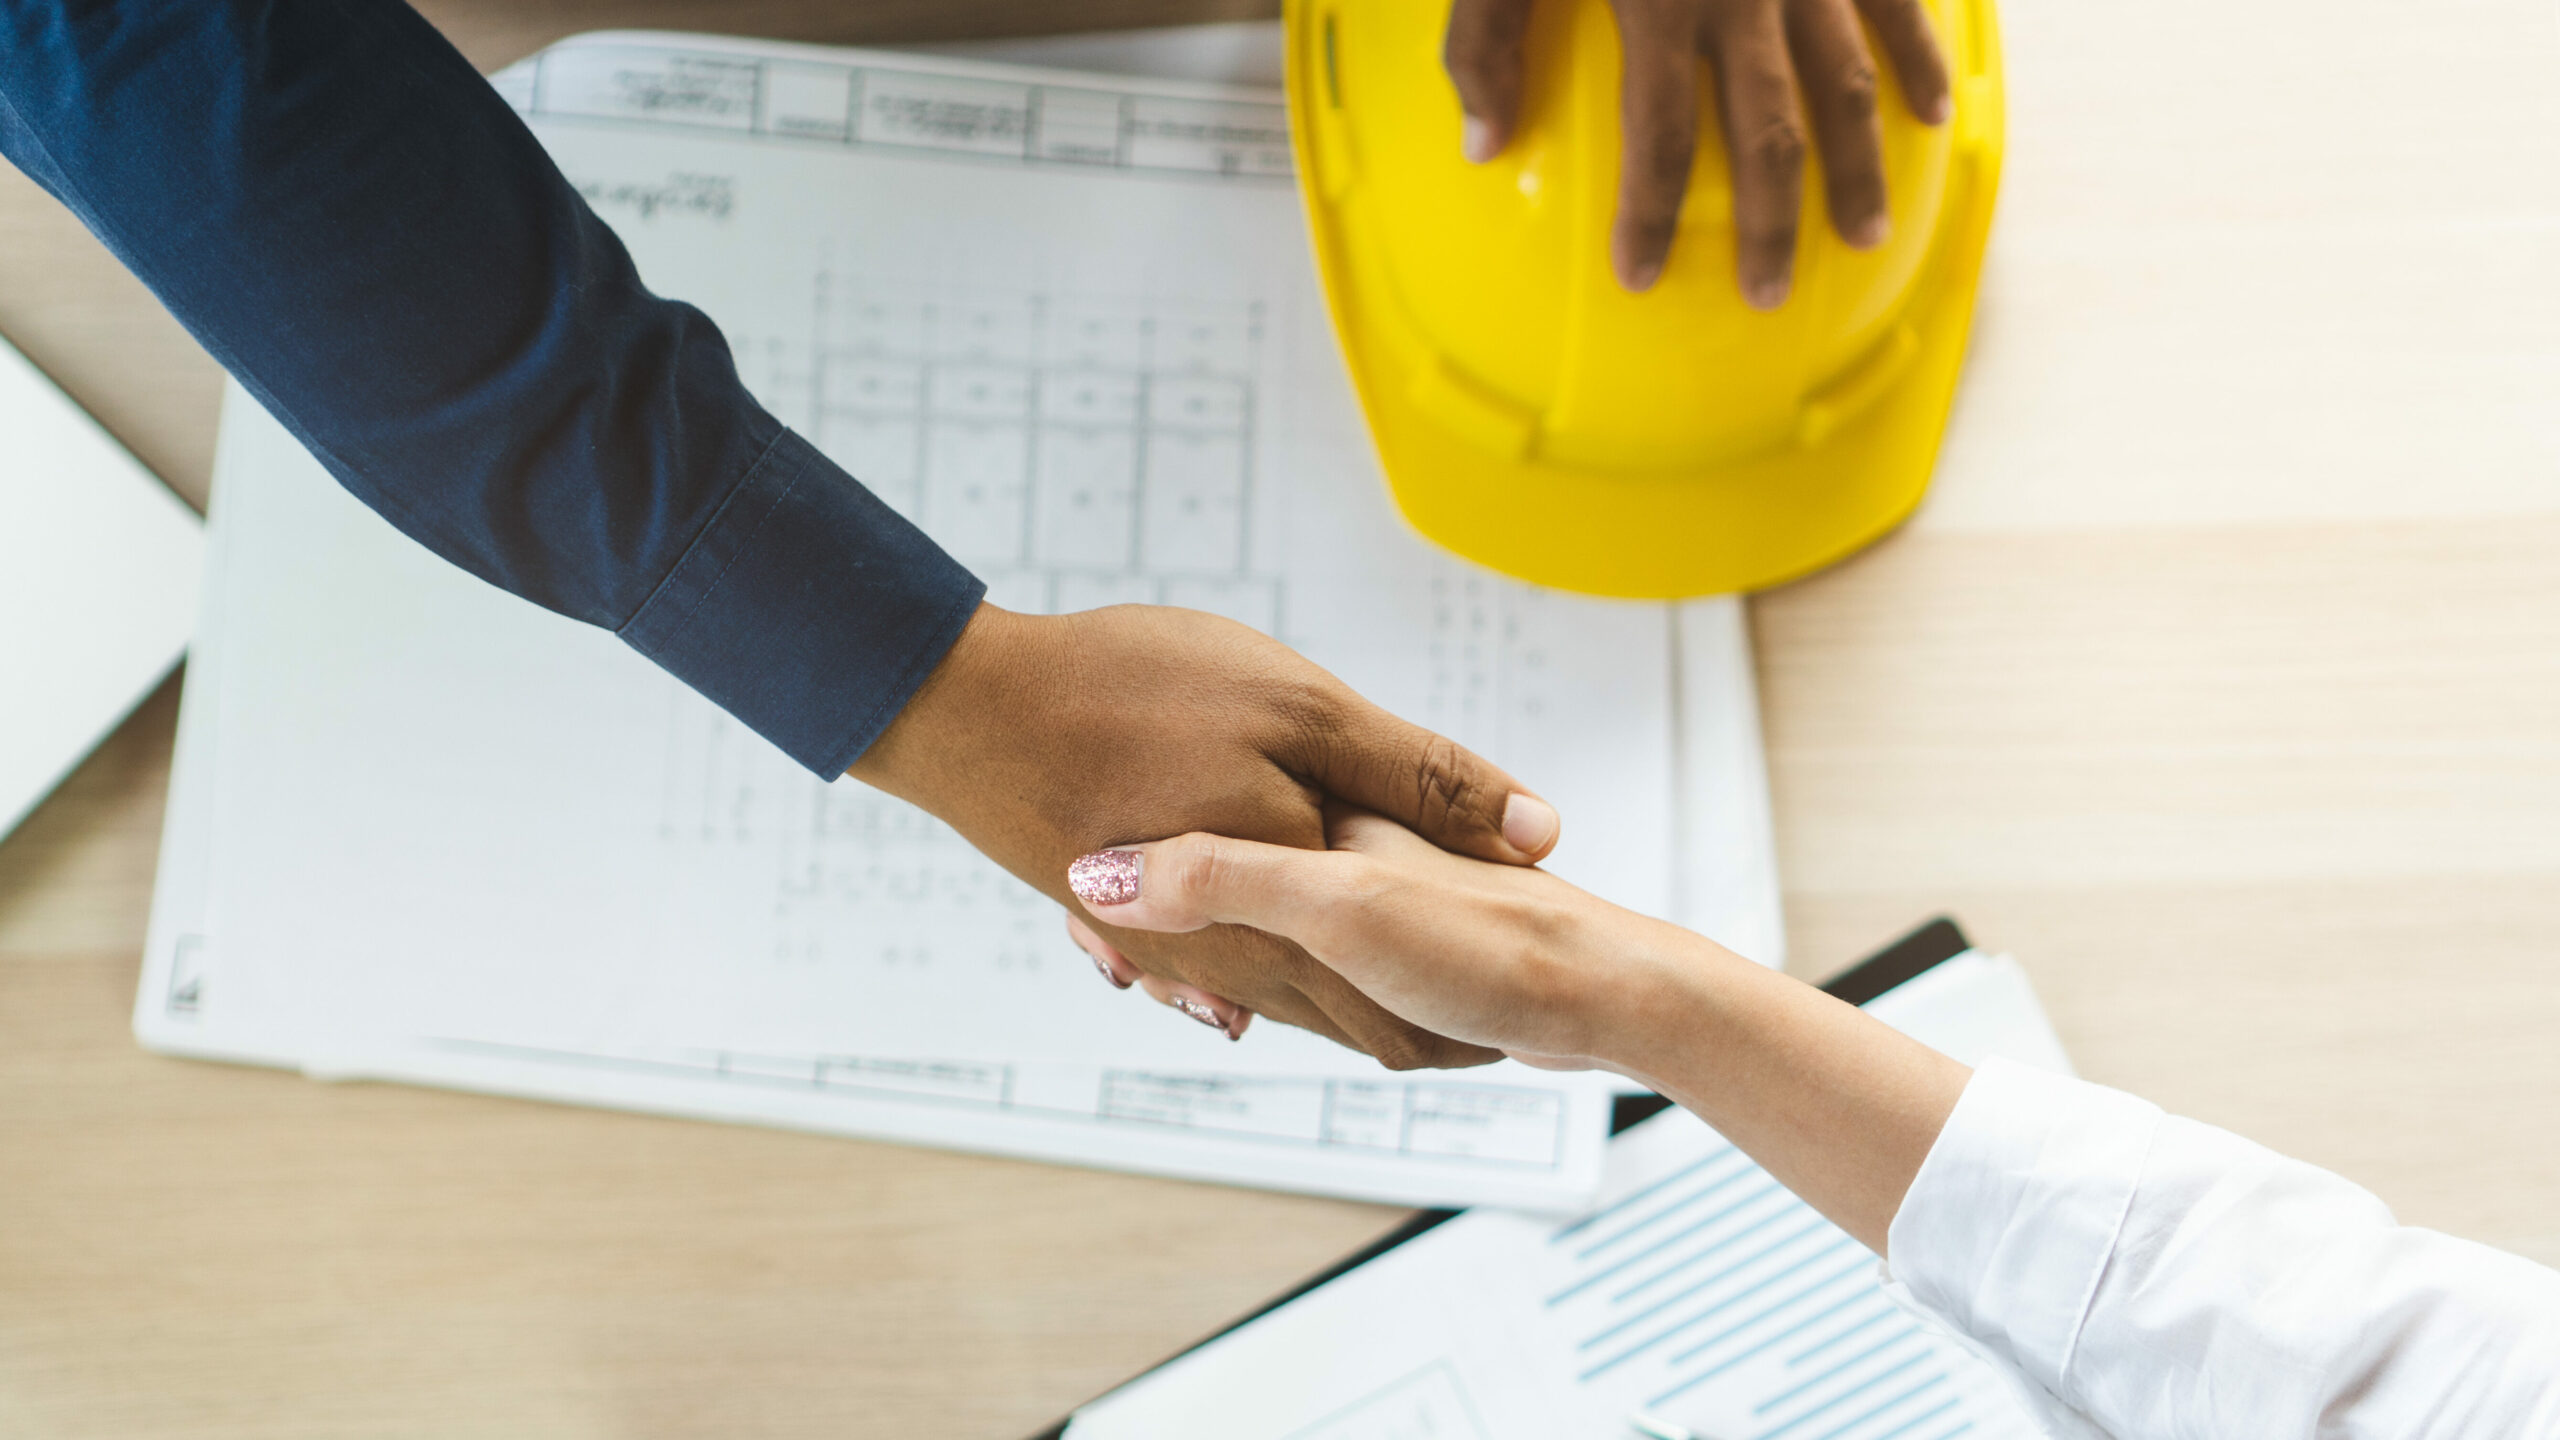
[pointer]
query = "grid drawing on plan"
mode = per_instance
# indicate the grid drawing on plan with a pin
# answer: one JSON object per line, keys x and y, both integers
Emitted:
{"x": 1074, "y": 453}
{"x": 1495, "y": 1125}
{"x": 879, "y": 105}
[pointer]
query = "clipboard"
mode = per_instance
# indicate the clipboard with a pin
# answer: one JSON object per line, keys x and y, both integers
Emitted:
{"x": 1925, "y": 948}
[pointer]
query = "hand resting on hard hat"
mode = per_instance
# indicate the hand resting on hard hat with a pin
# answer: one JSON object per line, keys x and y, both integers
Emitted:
{"x": 1776, "y": 64}
{"x": 1040, "y": 738}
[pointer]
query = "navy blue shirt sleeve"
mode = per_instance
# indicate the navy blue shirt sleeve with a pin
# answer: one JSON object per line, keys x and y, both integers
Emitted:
{"x": 350, "y": 219}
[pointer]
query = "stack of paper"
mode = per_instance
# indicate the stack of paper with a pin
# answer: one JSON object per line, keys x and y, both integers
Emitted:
{"x": 422, "y": 830}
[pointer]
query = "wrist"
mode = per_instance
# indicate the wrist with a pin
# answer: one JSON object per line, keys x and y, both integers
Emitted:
{"x": 1667, "y": 1003}
{"x": 932, "y": 732}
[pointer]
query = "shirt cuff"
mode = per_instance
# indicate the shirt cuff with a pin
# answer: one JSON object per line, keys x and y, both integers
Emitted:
{"x": 807, "y": 608}
{"x": 2008, "y": 1226}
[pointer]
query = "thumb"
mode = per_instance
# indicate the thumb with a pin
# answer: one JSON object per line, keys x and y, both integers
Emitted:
{"x": 1194, "y": 881}
{"x": 1433, "y": 786}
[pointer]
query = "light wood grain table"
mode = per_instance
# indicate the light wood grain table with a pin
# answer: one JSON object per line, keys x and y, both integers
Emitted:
{"x": 2220, "y": 681}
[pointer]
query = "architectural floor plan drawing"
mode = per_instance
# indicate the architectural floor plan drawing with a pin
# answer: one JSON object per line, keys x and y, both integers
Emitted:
{"x": 1077, "y": 455}
{"x": 1069, "y": 325}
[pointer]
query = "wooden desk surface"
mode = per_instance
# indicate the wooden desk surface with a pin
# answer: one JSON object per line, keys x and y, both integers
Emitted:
{"x": 2220, "y": 681}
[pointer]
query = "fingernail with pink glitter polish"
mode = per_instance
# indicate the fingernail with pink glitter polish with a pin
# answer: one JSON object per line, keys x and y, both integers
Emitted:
{"x": 1106, "y": 877}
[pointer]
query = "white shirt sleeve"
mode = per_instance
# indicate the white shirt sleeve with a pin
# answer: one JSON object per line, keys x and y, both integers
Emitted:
{"x": 2164, "y": 1278}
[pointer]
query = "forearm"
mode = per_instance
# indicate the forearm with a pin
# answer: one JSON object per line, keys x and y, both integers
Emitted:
{"x": 348, "y": 217}
{"x": 1837, "y": 1105}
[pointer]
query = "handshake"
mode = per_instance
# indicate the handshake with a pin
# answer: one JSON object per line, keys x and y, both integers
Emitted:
{"x": 1043, "y": 739}
{"x": 1233, "y": 829}
{"x": 1502, "y": 957}
{"x": 1330, "y": 866}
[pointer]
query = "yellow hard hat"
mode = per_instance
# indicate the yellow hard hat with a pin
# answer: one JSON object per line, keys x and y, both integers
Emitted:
{"x": 1534, "y": 416}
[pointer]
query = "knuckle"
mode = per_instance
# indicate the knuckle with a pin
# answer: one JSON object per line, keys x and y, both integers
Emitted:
{"x": 1403, "y": 1048}
{"x": 1444, "y": 790}
{"x": 1776, "y": 144}
{"x": 1304, "y": 709}
{"x": 1314, "y": 699}
{"x": 1197, "y": 863}
{"x": 1854, "y": 89}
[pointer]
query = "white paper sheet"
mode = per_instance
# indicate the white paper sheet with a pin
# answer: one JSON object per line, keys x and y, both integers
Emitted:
{"x": 1249, "y": 53}
{"x": 99, "y": 571}
{"x": 1698, "y": 1291}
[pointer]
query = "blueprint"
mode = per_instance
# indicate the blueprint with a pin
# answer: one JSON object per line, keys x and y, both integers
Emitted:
{"x": 1068, "y": 324}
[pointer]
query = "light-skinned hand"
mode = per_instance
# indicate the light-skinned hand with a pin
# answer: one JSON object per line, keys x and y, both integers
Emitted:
{"x": 1040, "y": 738}
{"x": 1839, "y": 1107}
{"x": 1507, "y": 957}
{"x": 1776, "y": 64}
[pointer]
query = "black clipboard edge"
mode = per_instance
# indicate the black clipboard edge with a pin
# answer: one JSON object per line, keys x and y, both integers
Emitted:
{"x": 1932, "y": 944}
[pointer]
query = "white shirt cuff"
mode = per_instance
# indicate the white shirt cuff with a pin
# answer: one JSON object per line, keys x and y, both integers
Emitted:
{"x": 1992, "y": 1240}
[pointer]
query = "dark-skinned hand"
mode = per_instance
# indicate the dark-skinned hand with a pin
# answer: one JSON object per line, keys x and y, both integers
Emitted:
{"x": 1775, "y": 65}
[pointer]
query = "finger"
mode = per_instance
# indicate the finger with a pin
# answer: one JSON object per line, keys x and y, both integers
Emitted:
{"x": 1115, "y": 967}
{"x": 1278, "y": 980}
{"x": 1194, "y": 881}
{"x": 1840, "y": 95}
{"x": 1658, "y": 124}
{"x": 1225, "y": 1017}
{"x": 1483, "y": 56}
{"x": 1269, "y": 976}
{"x": 1764, "y": 136}
{"x": 1441, "y": 790}
{"x": 1910, "y": 44}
